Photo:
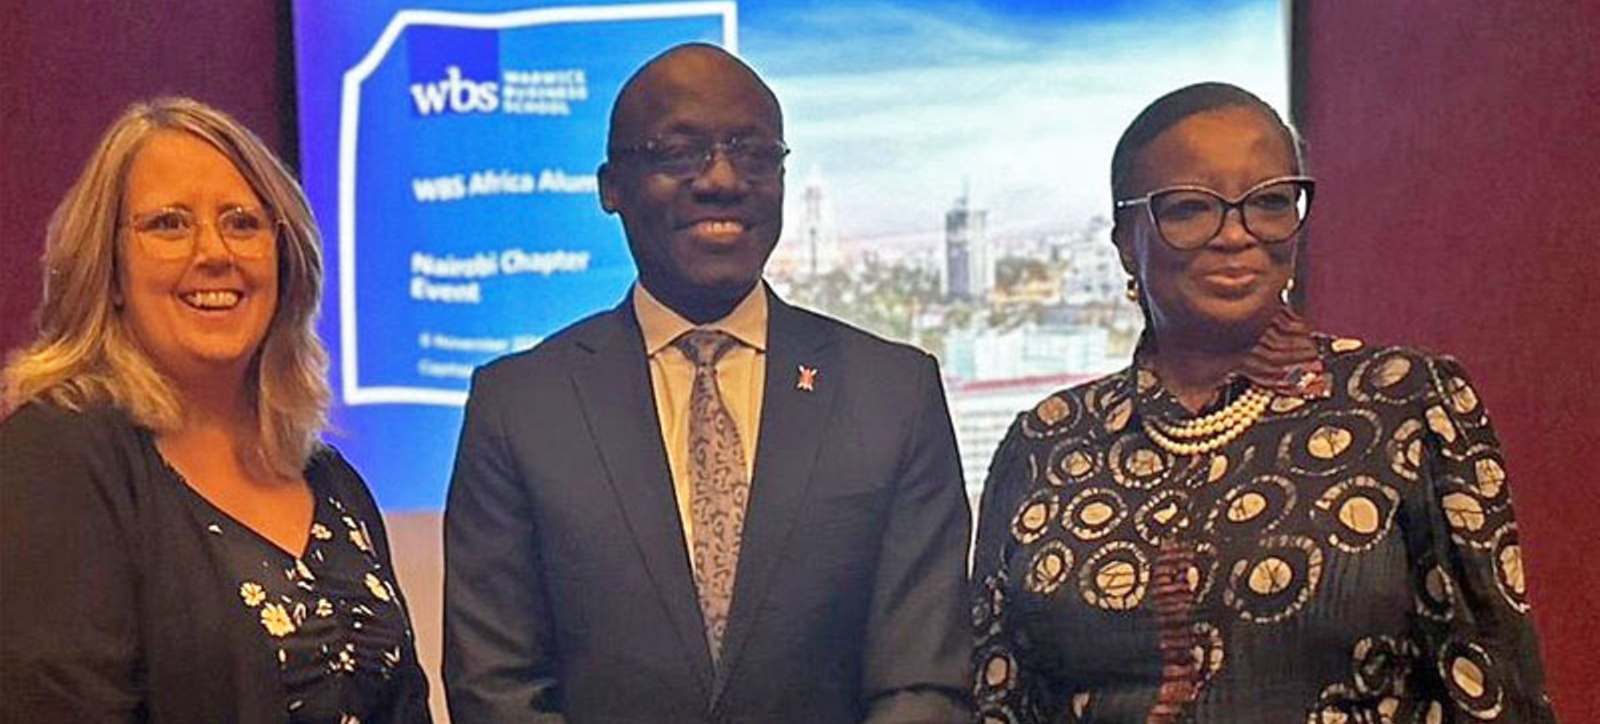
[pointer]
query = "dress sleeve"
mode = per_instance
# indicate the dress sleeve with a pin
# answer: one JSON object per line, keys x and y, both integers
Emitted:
{"x": 69, "y": 644}
{"x": 1005, "y": 690}
{"x": 1470, "y": 578}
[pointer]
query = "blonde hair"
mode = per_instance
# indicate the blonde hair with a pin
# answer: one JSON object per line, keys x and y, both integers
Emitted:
{"x": 85, "y": 353}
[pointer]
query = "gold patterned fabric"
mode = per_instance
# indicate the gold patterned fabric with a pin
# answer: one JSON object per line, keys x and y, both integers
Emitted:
{"x": 1351, "y": 557}
{"x": 721, "y": 487}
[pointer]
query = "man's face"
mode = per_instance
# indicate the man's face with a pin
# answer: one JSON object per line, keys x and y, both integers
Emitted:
{"x": 698, "y": 241}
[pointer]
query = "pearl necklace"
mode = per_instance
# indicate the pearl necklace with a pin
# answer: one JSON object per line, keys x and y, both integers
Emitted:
{"x": 1199, "y": 435}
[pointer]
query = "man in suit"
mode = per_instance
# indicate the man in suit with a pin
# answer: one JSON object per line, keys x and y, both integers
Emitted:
{"x": 705, "y": 505}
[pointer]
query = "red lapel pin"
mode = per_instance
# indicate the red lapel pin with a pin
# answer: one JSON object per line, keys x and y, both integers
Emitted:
{"x": 807, "y": 381}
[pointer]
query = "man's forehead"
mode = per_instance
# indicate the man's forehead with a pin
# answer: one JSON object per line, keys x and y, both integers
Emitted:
{"x": 692, "y": 76}
{"x": 690, "y": 63}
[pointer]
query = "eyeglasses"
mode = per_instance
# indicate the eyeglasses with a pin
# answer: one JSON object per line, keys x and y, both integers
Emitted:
{"x": 171, "y": 232}
{"x": 685, "y": 157}
{"x": 1187, "y": 217}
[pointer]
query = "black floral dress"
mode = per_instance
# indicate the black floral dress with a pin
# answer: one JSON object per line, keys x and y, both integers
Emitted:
{"x": 1350, "y": 558}
{"x": 332, "y": 618}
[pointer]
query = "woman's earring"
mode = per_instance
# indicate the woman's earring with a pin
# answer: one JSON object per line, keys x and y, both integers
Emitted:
{"x": 1132, "y": 292}
{"x": 1287, "y": 288}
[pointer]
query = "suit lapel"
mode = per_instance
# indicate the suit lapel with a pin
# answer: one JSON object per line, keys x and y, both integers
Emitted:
{"x": 614, "y": 391}
{"x": 792, "y": 425}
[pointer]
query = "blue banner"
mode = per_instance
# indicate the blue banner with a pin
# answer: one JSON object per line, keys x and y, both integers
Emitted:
{"x": 450, "y": 157}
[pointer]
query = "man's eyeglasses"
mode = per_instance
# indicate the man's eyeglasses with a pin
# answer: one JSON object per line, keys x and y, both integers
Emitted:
{"x": 685, "y": 157}
{"x": 171, "y": 232}
{"x": 1187, "y": 217}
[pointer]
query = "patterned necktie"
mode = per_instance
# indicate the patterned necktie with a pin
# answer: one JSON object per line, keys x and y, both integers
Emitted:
{"x": 720, "y": 487}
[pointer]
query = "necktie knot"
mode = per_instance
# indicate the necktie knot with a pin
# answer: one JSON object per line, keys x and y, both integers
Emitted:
{"x": 704, "y": 347}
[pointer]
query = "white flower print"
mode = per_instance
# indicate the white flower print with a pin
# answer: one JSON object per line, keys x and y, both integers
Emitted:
{"x": 252, "y": 593}
{"x": 276, "y": 620}
{"x": 377, "y": 587}
{"x": 345, "y": 661}
{"x": 359, "y": 537}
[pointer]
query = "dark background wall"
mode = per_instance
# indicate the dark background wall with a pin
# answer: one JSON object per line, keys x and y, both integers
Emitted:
{"x": 68, "y": 68}
{"x": 1459, "y": 209}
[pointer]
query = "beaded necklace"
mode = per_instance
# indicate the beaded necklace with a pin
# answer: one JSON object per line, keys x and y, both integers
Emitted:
{"x": 1200, "y": 435}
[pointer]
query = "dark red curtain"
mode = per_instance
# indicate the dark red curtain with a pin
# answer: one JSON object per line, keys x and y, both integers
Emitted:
{"x": 68, "y": 68}
{"x": 1458, "y": 208}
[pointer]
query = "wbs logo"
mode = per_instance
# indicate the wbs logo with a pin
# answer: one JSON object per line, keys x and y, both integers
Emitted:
{"x": 454, "y": 70}
{"x": 457, "y": 93}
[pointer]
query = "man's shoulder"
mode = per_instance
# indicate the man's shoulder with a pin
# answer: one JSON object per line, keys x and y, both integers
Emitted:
{"x": 855, "y": 340}
{"x": 558, "y": 350}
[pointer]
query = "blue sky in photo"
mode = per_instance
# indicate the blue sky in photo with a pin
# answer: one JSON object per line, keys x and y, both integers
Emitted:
{"x": 900, "y": 105}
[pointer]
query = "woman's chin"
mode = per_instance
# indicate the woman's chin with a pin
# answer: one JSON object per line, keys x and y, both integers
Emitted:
{"x": 1236, "y": 322}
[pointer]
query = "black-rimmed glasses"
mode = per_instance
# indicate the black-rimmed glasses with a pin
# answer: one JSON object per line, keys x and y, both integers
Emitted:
{"x": 685, "y": 157}
{"x": 171, "y": 232}
{"x": 1188, "y": 216}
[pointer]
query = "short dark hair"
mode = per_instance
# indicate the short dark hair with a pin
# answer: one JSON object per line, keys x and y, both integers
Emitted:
{"x": 1167, "y": 111}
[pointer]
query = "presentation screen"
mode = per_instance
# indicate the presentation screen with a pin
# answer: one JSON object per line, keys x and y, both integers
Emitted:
{"x": 948, "y": 185}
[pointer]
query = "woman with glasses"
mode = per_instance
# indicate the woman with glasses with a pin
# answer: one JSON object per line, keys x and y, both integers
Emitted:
{"x": 1252, "y": 522}
{"x": 177, "y": 545}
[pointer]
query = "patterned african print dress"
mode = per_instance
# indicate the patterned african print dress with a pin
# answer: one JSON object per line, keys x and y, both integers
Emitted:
{"x": 1352, "y": 558}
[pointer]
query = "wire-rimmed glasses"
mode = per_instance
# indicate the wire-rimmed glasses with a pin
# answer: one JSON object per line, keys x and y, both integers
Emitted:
{"x": 171, "y": 232}
{"x": 685, "y": 157}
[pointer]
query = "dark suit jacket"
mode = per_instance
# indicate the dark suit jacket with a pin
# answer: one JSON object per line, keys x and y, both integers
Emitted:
{"x": 114, "y": 606}
{"x": 569, "y": 595}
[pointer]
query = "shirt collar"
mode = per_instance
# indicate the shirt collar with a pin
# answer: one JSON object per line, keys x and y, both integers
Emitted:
{"x": 661, "y": 326}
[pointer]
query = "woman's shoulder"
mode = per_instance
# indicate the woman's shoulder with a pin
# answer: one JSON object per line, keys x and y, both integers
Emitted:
{"x": 1356, "y": 348}
{"x": 53, "y": 457}
{"x": 1367, "y": 372}
{"x": 42, "y": 426}
{"x": 1076, "y": 409}
{"x": 1388, "y": 361}
{"x": 327, "y": 468}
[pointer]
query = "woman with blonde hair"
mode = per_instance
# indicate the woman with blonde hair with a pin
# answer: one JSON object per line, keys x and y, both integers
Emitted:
{"x": 177, "y": 544}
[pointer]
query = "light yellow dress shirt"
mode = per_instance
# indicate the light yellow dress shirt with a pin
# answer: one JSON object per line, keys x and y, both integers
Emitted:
{"x": 740, "y": 375}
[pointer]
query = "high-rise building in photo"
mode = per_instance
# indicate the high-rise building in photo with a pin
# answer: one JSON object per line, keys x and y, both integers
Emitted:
{"x": 810, "y": 245}
{"x": 969, "y": 266}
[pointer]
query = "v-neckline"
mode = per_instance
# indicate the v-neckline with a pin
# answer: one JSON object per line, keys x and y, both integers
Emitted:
{"x": 304, "y": 538}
